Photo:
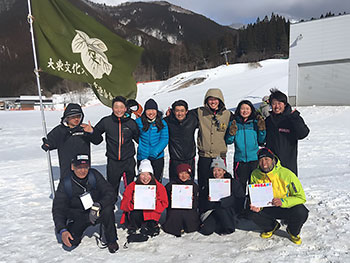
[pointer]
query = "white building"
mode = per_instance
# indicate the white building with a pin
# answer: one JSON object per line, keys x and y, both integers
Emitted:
{"x": 319, "y": 62}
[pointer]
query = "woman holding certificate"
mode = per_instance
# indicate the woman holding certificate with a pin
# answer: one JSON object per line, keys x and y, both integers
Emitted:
{"x": 217, "y": 207}
{"x": 143, "y": 203}
{"x": 153, "y": 138}
{"x": 182, "y": 214}
{"x": 247, "y": 132}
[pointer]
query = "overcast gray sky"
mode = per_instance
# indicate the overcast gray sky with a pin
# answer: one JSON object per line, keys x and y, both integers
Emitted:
{"x": 226, "y": 12}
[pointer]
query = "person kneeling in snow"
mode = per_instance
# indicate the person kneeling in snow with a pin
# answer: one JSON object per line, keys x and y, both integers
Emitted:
{"x": 288, "y": 200}
{"x": 147, "y": 220}
{"x": 219, "y": 216}
{"x": 82, "y": 199}
{"x": 180, "y": 219}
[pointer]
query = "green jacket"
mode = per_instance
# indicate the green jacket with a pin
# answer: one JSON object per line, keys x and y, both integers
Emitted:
{"x": 213, "y": 127}
{"x": 285, "y": 184}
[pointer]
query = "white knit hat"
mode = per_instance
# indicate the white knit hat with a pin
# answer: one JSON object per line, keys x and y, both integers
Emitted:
{"x": 145, "y": 167}
{"x": 218, "y": 163}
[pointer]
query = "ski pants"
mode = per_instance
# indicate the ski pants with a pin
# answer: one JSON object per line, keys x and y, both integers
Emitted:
{"x": 295, "y": 217}
{"x": 81, "y": 221}
{"x": 118, "y": 169}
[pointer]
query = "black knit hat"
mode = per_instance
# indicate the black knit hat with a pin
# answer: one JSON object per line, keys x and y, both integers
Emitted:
{"x": 179, "y": 103}
{"x": 151, "y": 105}
{"x": 119, "y": 98}
{"x": 277, "y": 95}
{"x": 265, "y": 152}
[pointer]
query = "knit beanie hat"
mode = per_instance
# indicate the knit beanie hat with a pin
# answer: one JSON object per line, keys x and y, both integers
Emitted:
{"x": 151, "y": 105}
{"x": 183, "y": 167}
{"x": 145, "y": 167}
{"x": 265, "y": 152}
{"x": 218, "y": 163}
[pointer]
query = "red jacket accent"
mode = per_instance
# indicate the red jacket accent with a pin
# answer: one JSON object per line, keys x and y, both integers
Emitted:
{"x": 127, "y": 203}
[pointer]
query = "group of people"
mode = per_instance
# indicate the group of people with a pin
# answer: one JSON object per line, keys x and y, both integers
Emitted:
{"x": 265, "y": 151}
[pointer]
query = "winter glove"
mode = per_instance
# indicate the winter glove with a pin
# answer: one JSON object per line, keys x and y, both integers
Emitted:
{"x": 233, "y": 128}
{"x": 45, "y": 145}
{"x": 94, "y": 212}
{"x": 261, "y": 123}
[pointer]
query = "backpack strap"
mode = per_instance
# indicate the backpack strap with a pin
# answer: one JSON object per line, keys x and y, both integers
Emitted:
{"x": 92, "y": 178}
{"x": 67, "y": 181}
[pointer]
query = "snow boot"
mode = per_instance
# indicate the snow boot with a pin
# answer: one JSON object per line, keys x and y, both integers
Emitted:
{"x": 295, "y": 239}
{"x": 270, "y": 233}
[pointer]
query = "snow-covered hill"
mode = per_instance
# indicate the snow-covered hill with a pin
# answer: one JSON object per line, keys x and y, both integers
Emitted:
{"x": 27, "y": 231}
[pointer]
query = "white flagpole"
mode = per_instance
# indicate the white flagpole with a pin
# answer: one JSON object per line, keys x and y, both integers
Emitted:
{"x": 36, "y": 71}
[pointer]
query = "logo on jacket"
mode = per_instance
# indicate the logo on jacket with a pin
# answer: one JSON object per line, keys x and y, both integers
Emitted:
{"x": 284, "y": 130}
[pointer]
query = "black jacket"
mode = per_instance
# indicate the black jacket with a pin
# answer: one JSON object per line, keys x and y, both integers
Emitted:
{"x": 69, "y": 142}
{"x": 195, "y": 192}
{"x": 229, "y": 202}
{"x": 282, "y": 134}
{"x": 182, "y": 219}
{"x": 182, "y": 144}
{"x": 119, "y": 135}
{"x": 65, "y": 208}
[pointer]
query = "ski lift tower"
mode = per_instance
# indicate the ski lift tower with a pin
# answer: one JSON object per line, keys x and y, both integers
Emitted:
{"x": 224, "y": 53}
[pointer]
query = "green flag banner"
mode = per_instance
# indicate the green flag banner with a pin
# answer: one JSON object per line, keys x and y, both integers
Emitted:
{"x": 73, "y": 45}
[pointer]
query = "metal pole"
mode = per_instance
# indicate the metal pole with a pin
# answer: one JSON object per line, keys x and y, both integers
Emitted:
{"x": 36, "y": 71}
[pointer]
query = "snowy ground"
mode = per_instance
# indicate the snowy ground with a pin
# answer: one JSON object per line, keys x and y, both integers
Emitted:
{"x": 27, "y": 232}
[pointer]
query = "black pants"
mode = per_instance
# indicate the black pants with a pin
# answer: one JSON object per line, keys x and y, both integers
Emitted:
{"x": 295, "y": 217}
{"x": 220, "y": 221}
{"x": 158, "y": 166}
{"x": 81, "y": 222}
{"x": 118, "y": 169}
{"x": 181, "y": 219}
{"x": 242, "y": 171}
{"x": 203, "y": 171}
{"x": 174, "y": 163}
{"x": 135, "y": 220}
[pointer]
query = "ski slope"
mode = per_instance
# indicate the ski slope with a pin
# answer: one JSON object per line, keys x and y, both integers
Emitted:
{"x": 27, "y": 230}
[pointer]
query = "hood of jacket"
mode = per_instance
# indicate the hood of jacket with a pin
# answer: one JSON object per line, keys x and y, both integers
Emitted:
{"x": 72, "y": 109}
{"x": 216, "y": 93}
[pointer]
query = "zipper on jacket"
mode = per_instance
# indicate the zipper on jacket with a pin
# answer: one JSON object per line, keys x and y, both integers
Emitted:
{"x": 120, "y": 138}
{"x": 245, "y": 144}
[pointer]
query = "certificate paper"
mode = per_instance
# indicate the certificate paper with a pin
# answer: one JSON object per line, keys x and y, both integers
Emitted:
{"x": 261, "y": 195}
{"x": 181, "y": 196}
{"x": 219, "y": 188}
{"x": 145, "y": 197}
